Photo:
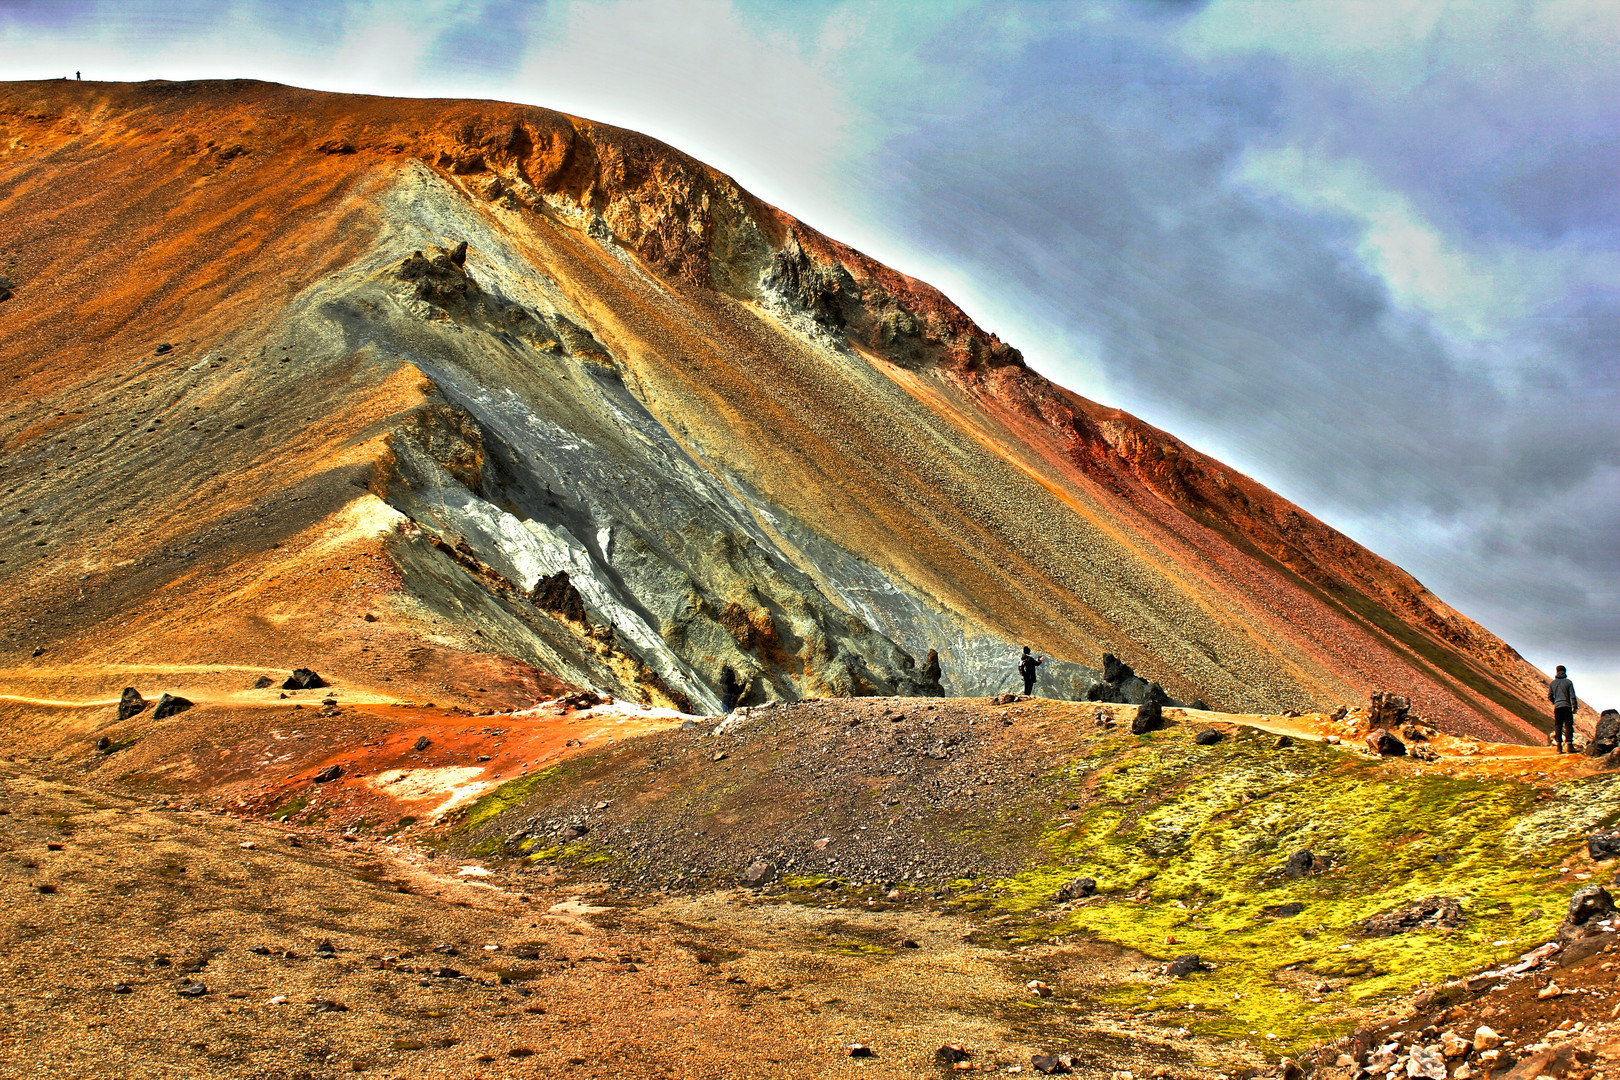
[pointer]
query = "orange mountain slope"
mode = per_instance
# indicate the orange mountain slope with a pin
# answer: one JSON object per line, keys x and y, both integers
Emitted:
{"x": 262, "y": 408}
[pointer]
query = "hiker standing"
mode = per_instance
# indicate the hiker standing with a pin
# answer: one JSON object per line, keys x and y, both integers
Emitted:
{"x": 1561, "y": 692}
{"x": 1026, "y": 667}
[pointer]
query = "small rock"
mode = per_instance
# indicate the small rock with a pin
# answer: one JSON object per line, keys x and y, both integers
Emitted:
{"x": 406, "y": 1044}
{"x": 1604, "y": 845}
{"x": 1183, "y": 965}
{"x": 321, "y": 1005}
{"x": 1283, "y": 742}
{"x": 1076, "y": 889}
{"x": 860, "y": 1050}
{"x": 47, "y": 890}
{"x": 121, "y": 988}
{"x": 195, "y": 989}
{"x": 303, "y": 679}
{"x": 1208, "y": 737}
{"x": 104, "y": 744}
{"x": 371, "y": 616}
{"x": 575, "y": 831}
{"x": 909, "y": 943}
{"x": 1344, "y": 1061}
{"x": 263, "y": 682}
{"x": 1040, "y": 989}
{"x": 1486, "y": 1039}
{"x": 1051, "y": 1064}
{"x": 1588, "y": 905}
{"x": 421, "y": 743}
{"x": 1551, "y": 990}
{"x": 325, "y": 950}
{"x": 163, "y": 348}
{"x": 759, "y": 873}
{"x": 1453, "y": 1045}
{"x": 1300, "y": 864}
{"x": 721, "y": 756}
{"x": 169, "y": 705}
{"x": 329, "y": 774}
{"x": 39, "y": 650}
{"x": 1149, "y": 717}
{"x": 1463, "y": 1072}
{"x": 130, "y": 703}
{"x": 1384, "y": 744}
{"x": 260, "y": 950}
{"x": 951, "y": 1053}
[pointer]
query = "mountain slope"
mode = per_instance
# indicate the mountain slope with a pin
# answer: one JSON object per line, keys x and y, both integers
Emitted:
{"x": 641, "y": 428}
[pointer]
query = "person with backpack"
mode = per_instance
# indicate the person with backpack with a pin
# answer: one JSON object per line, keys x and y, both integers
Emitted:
{"x": 1026, "y": 667}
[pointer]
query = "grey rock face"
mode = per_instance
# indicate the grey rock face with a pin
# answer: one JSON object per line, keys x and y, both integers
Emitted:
{"x": 1606, "y": 736}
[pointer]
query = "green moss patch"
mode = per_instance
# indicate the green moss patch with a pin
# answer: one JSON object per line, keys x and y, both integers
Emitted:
{"x": 505, "y": 797}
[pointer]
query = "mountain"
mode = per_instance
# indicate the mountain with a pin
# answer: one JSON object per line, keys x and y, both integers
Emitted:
{"x": 469, "y": 401}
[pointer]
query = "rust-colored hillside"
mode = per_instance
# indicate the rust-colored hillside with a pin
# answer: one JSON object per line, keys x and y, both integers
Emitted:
{"x": 261, "y": 409}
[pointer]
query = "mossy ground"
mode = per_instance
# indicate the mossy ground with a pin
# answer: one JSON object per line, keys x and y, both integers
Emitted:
{"x": 1188, "y": 844}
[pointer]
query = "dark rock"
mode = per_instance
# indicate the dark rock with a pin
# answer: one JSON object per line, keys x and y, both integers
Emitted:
{"x": 909, "y": 943}
{"x": 1115, "y": 670}
{"x": 1300, "y": 864}
{"x": 1199, "y": 705}
{"x": 325, "y": 949}
{"x": 951, "y": 1053}
{"x": 328, "y": 774}
{"x": 1208, "y": 737}
{"x": 39, "y": 650}
{"x": 440, "y": 280}
{"x": 121, "y": 988}
{"x": 1149, "y": 717}
{"x": 1156, "y": 695}
{"x": 689, "y": 725}
{"x": 263, "y": 682}
{"x": 449, "y": 973}
{"x": 1387, "y": 710}
{"x": 1183, "y": 965}
{"x": 1604, "y": 845}
{"x": 931, "y": 671}
{"x": 557, "y": 594}
{"x": 321, "y": 1005}
{"x": 260, "y": 950}
{"x": 1051, "y": 1064}
{"x": 1435, "y": 911}
{"x": 574, "y": 831}
{"x": 1283, "y": 742}
{"x": 1588, "y": 905}
{"x": 195, "y": 989}
{"x": 169, "y": 705}
{"x": 1077, "y": 889}
{"x": 130, "y": 702}
{"x": 861, "y": 1050}
{"x": 104, "y": 744}
{"x": 1283, "y": 911}
{"x": 446, "y": 950}
{"x": 1606, "y": 736}
{"x": 421, "y": 743}
{"x": 759, "y": 873}
{"x": 163, "y": 348}
{"x": 303, "y": 679}
{"x": 1384, "y": 744}
{"x": 48, "y": 890}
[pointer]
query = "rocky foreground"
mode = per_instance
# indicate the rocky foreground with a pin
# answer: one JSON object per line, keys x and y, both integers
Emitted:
{"x": 891, "y": 887}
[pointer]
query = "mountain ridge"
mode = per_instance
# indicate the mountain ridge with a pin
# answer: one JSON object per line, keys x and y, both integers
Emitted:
{"x": 862, "y": 472}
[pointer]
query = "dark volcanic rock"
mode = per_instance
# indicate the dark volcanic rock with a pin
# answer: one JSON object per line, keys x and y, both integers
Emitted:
{"x": 1604, "y": 845}
{"x": 328, "y": 774}
{"x": 1606, "y": 736}
{"x": 441, "y": 279}
{"x": 951, "y": 1053}
{"x": 1115, "y": 670}
{"x": 263, "y": 682}
{"x": 104, "y": 744}
{"x": 1183, "y": 965}
{"x": 1208, "y": 737}
{"x": 303, "y": 679}
{"x": 1077, "y": 889}
{"x": 421, "y": 744}
{"x": 1300, "y": 864}
{"x": 1149, "y": 717}
{"x": 130, "y": 703}
{"x": 1586, "y": 907}
{"x": 1435, "y": 911}
{"x": 1384, "y": 744}
{"x": 169, "y": 705}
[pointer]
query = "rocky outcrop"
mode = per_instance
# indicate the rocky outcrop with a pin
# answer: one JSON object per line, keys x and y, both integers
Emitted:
{"x": 1606, "y": 735}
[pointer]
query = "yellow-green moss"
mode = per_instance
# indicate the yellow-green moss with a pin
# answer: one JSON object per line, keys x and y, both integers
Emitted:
{"x": 1188, "y": 843}
{"x": 505, "y": 797}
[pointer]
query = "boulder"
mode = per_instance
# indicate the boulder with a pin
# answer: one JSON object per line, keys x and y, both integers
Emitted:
{"x": 1076, "y": 889}
{"x": 1606, "y": 736}
{"x": 1604, "y": 845}
{"x": 168, "y": 705}
{"x": 130, "y": 703}
{"x": 1115, "y": 670}
{"x": 303, "y": 679}
{"x": 1588, "y": 906}
{"x": 1383, "y": 743}
{"x": 329, "y": 774}
{"x": 759, "y": 873}
{"x": 1208, "y": 737}
{"x": 1149, "y": 717}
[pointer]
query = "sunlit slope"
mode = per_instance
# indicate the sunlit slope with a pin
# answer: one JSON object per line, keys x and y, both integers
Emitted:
{"x": 646, "y": 428}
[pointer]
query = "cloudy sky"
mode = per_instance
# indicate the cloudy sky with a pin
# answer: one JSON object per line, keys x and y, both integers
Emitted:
{"x": 1367, "y": 251}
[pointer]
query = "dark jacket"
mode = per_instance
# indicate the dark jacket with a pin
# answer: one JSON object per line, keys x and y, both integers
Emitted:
{"x": 1562, "y": 693}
